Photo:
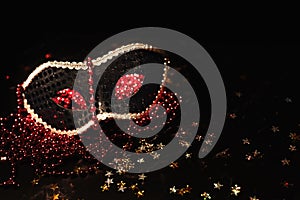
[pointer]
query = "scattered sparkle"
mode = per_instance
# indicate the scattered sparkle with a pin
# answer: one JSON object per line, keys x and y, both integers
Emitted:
{"x": 104, "y": 187}
{"x": 142, "y": 177}
{"x": 141, "y": 160}
{"x": 184, "y": 143}
{"x": 108, "y": 174}
{"x": 174, "y": 165}
{"x": 140, "y": 193}
{"x": 195, "y": 124}
{"x": 121, "y": 186}
{"x": 275, "y": 129}
{"x": 173, "y": 190}
{"x": 223, "y": 154}
{"x": 120, "y": 171}
{"x": 246, "y": 141}
{"x": 155, "y": 155}
{"x": 109, "y": 181}
{"x": 134, "y": 186}
{"x": 198, "y": 137}
{"x": 256, "y": 153}
{"x": 54, "y": 187}
{"x": 235, "y": 190}
{"x": 188, "y": 189}
{"x": 188, "y": 155}
{"x": 292, "y": 148}
{"x": 232, "y": 115}
{"x": 205, "y": 196}
{"x": 294, "y": 136}
{"x": 248, "y": 157}
{"x": 55, "y": 197}
{"x": 35, "y": 181}
{"x": 285, "y": 161}
{"x": 181, "y": 191}
{"x": 218, "y": 185}
{"x": 160, "y": 146}
{"x": 238, "y": 94}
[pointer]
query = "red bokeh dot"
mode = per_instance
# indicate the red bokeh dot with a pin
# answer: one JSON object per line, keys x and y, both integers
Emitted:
{"x": 48, "y": 55}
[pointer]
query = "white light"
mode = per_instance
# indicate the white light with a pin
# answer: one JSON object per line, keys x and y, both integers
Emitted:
{"x": 3, "y": 158}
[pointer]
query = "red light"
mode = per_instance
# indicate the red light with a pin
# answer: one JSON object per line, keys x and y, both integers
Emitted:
{"x": 286, "y": 184}
{"x": 64, "y": 98}
{"x": 128, "y": 85}
{"x": 48, "y": 55}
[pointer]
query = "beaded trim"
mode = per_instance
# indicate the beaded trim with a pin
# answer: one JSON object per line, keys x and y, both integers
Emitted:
{"x": 82, "y": 66}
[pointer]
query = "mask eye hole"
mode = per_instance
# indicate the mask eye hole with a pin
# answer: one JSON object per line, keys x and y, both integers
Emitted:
{"x": 65, "y": 97}
{"x": 128, "y": 85}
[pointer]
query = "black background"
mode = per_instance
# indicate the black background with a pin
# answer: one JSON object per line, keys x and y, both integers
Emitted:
{"x": 261, "y": 65}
